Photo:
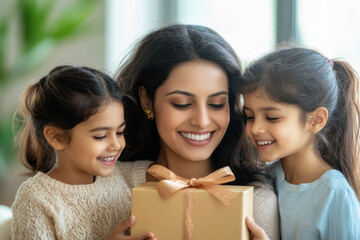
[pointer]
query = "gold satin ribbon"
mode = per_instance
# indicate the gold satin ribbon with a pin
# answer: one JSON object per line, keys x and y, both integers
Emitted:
{"x": 170, "y": 183}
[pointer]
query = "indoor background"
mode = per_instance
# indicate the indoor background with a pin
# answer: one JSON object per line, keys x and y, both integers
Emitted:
{"x": 37, "y": 35}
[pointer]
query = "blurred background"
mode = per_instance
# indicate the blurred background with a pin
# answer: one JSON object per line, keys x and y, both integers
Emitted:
{"x": 37, "y": 35}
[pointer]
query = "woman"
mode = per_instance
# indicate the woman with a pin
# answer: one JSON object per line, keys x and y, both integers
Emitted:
{"x": 182, "y": 111}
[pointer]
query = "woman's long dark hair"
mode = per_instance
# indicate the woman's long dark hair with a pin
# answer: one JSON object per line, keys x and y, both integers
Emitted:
{"x": 153, "y": 58}
{"x": 63, "y": 98}
{"x": 307, "y": 79}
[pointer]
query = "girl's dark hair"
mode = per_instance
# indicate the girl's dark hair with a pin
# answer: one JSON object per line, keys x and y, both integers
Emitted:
{"x": 305, "y": 78}
{"x": 63, "y": 98}
{"x": 150, "y": 64}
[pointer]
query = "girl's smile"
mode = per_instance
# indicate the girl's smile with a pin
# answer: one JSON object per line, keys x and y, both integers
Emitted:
{"x": 94, "y": 147}
{"x": 274, "y": 128}
{"x": 109, "y": 160}
{"x": 264, "y": 144}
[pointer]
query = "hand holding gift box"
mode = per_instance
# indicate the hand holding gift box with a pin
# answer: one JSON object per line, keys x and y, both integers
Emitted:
{"x": 178, "y": 208}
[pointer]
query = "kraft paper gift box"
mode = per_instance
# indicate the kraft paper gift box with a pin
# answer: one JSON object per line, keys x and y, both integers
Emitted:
{"x": 211, "y": 218}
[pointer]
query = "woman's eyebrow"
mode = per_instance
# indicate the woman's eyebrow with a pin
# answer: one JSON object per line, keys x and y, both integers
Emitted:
{"x": 193, "y": 95}
{"x": 180, "y": 92}
{"x": 219, "y": 93}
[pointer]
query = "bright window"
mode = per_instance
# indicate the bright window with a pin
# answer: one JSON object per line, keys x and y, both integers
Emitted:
{"x": 332, "y": 27}
{"x": 249, "y": 26}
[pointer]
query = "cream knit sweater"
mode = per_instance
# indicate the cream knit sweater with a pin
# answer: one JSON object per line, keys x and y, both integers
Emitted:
{"x": 45, "y": 208}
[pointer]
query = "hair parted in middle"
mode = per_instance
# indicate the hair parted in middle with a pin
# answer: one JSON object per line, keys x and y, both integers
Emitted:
{"x": 150, "y": 64}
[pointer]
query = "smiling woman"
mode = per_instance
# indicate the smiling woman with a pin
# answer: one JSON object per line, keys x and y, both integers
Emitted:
{"x": 182, "y": 111}
{"x": 191, "y": 119}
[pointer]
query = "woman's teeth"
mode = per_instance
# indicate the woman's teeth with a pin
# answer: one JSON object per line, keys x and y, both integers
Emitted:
{"x": 106, "y": 159}
{"x": 196, "y": 137}
{"x": 261, "y": 143}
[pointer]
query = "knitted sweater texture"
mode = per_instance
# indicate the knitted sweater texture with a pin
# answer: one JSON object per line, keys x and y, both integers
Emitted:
{"x": 45, "y": 208}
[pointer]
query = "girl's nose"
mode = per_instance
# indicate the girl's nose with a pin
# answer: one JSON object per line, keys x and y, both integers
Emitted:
{"x": 115, "y": 143}
{"x": 257, "y": 127}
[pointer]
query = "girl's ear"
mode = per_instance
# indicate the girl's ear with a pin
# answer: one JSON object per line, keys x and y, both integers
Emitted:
{"x": 146, "y": 103}
{"x": 54, "y": 136}
{"x": 318, "y": 119}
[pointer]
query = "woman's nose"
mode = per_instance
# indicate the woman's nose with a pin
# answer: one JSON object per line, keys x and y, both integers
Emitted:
{"x": 201, "y": 117}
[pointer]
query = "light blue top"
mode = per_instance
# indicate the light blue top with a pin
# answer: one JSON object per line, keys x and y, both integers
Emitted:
{"x": 324, "y": 209}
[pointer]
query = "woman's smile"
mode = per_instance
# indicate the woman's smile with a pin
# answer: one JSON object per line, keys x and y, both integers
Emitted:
{"x": 192, "y": 111}
{"x": 197, "y": 139}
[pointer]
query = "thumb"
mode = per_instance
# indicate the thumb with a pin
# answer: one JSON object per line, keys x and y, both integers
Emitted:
{"x": 256, "y": 230}
{"x": 126, "y": 224}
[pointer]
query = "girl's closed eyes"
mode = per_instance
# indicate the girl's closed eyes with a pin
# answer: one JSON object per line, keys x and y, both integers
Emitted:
{"x": 105, "y": 135}
{"x": 250, "y": 117}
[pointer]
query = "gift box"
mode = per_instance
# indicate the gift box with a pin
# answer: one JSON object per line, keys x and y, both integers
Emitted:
{"x": 209, "y": 218}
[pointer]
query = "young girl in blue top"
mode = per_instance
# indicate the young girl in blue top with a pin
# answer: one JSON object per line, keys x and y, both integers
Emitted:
{"x": 303, "y": 109}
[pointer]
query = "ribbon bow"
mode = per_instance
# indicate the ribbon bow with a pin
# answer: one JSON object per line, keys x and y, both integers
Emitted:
{"x": 169, "y": 183}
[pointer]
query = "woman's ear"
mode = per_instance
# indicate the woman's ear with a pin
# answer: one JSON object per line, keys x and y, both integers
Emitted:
{"x": 318, "y": 119}
{"x": 54, "y": 136}
{"x": 146, "y": 103}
